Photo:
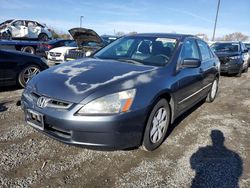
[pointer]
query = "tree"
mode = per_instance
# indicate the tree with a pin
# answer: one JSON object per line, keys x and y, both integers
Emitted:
{"x": 56, "y": 34}
{"x": 237, "y": 36}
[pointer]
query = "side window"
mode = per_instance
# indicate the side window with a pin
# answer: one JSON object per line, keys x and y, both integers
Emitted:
{"x": 189, "y": 50}
{"x": 18, "y": 23}
{"x": 205, "y": 51}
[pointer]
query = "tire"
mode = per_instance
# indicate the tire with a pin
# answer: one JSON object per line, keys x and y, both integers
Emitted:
{"x": 43, "y": 37}
{"x": 213, "y": 91}
{"x": 240, "y": 72}
{"x": 26, "y": 74}
{"x": 245, "y": 70}
{"x": 6, "y": 36}
{"x": 28, "y": 49}
{"x": 155, "y": 131}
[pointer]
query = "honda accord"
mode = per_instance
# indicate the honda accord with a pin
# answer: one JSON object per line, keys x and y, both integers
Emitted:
{"x": 125, "y": 95}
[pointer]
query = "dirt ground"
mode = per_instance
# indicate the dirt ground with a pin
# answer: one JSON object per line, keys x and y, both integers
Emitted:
{"x": 209, "y": 146}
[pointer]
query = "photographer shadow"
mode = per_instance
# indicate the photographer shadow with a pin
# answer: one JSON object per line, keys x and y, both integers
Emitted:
{"x": 215, "y": 165}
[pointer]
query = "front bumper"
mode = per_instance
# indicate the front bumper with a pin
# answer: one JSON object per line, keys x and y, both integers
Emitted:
{"x": 231, "y": 68}
{"x": 101, "y": 132}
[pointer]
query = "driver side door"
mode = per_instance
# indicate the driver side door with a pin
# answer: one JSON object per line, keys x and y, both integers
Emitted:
{"x": 189, "y": 79}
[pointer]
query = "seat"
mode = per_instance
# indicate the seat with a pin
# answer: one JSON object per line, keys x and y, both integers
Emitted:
{"x": 142, "y": 52}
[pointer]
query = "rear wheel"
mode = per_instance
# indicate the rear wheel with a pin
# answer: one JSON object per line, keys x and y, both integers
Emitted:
{"x": 43, "y": 37}
{"x": 27, "y": 73}
{"x": 157, "y": 125}
{"x": 28, "y": 49}
{"x": 213, "y": 91}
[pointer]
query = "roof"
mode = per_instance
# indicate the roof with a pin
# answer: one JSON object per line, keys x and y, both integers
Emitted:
{"x": 167, "y": 35}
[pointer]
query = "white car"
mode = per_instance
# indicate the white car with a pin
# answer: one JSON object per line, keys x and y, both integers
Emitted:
{"x": 24, "y": 29}
{"x": 57, "y": 55}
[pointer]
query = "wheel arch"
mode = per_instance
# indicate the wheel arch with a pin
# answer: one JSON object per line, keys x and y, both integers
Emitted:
{"x": 170, "y": 98}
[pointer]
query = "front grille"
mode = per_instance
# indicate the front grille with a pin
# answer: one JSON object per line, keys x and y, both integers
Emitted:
{"x": 53, "y": 103}
{"x": 55, "y": 54}
{"x": 224, "y": 60}
{"x": 75, "y": 54}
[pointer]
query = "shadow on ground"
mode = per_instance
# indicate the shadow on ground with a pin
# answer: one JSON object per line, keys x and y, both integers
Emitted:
{"x": 215, "y": 165}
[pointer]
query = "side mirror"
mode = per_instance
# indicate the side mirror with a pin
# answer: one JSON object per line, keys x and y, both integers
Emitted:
{"x": 191, "y": 63}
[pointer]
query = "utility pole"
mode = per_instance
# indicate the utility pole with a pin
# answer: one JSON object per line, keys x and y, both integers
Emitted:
{"x": 81, "y": 17}
{"x": 215, "y": 23}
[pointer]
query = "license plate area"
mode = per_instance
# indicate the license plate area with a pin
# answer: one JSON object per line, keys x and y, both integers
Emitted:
{"x": 35, "y": 119}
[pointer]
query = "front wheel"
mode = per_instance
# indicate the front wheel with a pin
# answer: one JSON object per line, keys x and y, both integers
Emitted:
{"x": 213, "y": 91}
{"x": 27, "y": 73}
{"x": 157, "y": 125}
{"x": 6, "y": 36}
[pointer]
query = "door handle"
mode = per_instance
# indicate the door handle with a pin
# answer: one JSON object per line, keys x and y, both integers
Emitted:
{"x": 201, "y": 70}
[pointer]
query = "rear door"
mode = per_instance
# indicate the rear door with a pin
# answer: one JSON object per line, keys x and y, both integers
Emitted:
{"x": 190, "y": 79}
{"x": 208, "y": 66}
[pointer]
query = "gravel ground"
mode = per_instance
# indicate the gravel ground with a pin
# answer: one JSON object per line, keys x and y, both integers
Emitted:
{"x": 207, "y": 147}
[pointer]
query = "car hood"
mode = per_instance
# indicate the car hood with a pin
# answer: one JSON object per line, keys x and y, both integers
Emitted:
{"x": 226, "y": 54}
{"x": 62, "y": 49}
{"x": 81, "y": 35}
{"x": 73, "y": 81}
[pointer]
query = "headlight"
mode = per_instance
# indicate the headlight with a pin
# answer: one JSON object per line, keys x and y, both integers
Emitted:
{"x": 110, "y": 104}
{"x": 235, "y": 57}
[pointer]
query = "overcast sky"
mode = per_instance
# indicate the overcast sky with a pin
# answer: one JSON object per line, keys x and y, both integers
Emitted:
{"x": 181, "y": 16}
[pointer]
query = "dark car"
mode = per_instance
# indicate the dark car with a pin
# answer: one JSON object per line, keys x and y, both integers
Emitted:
{"x": 107, "y": 39}
{"x": 43, "y": 48}
{"x": 19, "y": 68}
{"x": 233, "y": 57}
{"x": 126, "y": 95}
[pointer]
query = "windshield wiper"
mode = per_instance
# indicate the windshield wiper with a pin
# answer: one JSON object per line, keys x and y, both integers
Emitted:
{"x": 131, "y": 61}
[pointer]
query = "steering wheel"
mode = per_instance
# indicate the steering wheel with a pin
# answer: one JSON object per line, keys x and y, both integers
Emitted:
{"x": 164, "y": 56}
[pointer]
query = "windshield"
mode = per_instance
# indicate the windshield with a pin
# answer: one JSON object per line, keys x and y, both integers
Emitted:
{"x": 225, "y": 47}
{"x": 155, "y": 51}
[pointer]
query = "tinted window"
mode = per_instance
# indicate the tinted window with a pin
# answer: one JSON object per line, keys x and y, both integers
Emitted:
{"x": 204, "y": 49}
{"x": 189, "y": 50}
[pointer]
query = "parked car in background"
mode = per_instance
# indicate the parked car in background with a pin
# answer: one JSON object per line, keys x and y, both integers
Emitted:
{"x": 247, "y": 44}
{"x": 27, "y": 29}
{"x": 233, "y": 57}
{"x": 58, "y": 55}
{"x": 43, "y": 48}
{"x": 19, "y": 68}
{"x": 87, "y": 40}
{"x": 107, "y": 39}
{"x": 126, "y": 95}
